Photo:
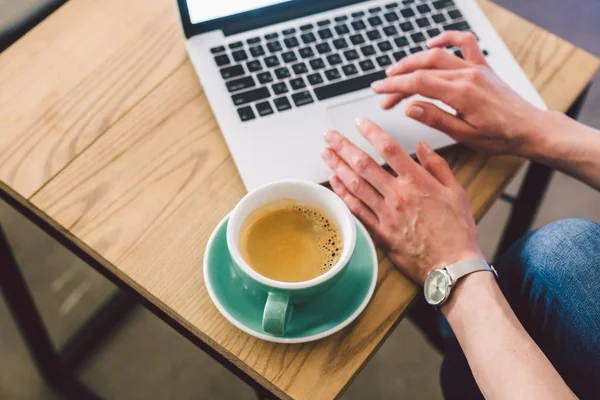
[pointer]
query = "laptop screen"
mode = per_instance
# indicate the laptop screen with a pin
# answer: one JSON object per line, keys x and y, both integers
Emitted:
{"x": 202, "y": 10}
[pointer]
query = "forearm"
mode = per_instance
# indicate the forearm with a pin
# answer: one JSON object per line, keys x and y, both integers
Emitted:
{"x": 566, "y": 145}
{"x": 505, "y": 361}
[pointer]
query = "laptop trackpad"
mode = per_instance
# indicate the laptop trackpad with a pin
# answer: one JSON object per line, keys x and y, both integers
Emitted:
{"x": 406, "y": 131}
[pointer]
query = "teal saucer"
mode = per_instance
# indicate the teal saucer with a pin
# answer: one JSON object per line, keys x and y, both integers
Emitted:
{"x": 324, "y": 315}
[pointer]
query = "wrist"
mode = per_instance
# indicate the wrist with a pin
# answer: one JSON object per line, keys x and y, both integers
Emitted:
{"x": 470, "y": 293}
{"x": 543, "y": 141}
{"x": 536, "y": 135}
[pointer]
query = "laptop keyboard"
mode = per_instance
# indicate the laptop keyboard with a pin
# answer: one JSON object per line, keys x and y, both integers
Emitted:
{"x": 331, "y": 57}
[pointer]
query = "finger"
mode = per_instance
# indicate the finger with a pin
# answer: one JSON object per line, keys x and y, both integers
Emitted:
{"x": 436, "y": 165}
{"x": 359, "y": 161}
{"x": 391, "y": 100}
{"x": 420, "y": 82}
{"x": 431, "y": 115}
{"x": 356, "y": 206}
{"x": 466, "y": 41}
{"x": 430, "y": 59}
{"x": 393, "y": 154}
{"x": 353, "y": 182}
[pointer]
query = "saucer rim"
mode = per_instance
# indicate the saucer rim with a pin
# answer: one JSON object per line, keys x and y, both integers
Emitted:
{"x": 275, "y": 339}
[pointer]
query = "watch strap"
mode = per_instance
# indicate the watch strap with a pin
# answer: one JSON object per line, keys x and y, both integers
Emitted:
{"x": 466, "y": 267}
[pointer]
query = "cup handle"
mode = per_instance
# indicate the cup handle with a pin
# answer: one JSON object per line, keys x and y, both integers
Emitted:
{"x": 277, "y": 313}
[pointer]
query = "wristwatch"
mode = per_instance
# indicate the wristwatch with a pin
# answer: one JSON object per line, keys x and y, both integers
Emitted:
{"x": 440, "y": 282}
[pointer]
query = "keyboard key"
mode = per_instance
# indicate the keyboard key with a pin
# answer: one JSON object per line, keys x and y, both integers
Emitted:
{"x": 368, "y": 50}
{"x": 416, "y": 49}
{"x": 459, "y": 54}
{"x": 315, "y": 79}
{"x": 324, "y": 22}
{"x": 458, "y": 26}
{"x": 271, "y": 61}
{"x": 341, "y": 18}
{"x": 302, "y": 98}
{"x": 391, "y": 5}
{"x": 441, "y": 4}
{"x": 325, "y": 33}
{"x": 316, "y": 64}
{"x": 423, "y": 9}
{"x": 358, "y": 14}
{"x": 300, "y": 68}
{"x": 282, "y": 73}
{"x": 348, "y": 85}
{"x": 401, "y": 41}
{"x": 433, "y": 32}
{"x": 423, "y": 22}
{"x": 349, "y": 70}
{"x": 384, "y": 46}
{"x": 383, "y": 61}
{"x": 486, "y": 53}
{"x": 222, "y": 59}
{"x": 257, "y": 51}
{"x": 246, "y": 113}
{"x": 391, "y": 16}
{"x": 216, "y": 50}
{"x": 374, "y": 10}
{"x": 406, "y": 26}
{"x": 342, "y": 29}
{"x": 374, "y": 35}
{"x": 254, "y": 65}
{"x": 308, "y": 37}
{"x": 405, "y": 2}
{"x": 375, "y": 21}
{"x": 390, "y": 30}
{"x": 340, "y": 43}
{"x": 399, "y": 55}
{"x": 366, "y": 65}
{"x": 297, "y": 83}
{"x": 306, "y": 27}
{"x": 239, "y": 55}
{"x": 232, "y": 72}
{"x": 250, "y": 96}
{"x": 289, "y": 31}
{"x": 323, "y": 48}
{"x": 282, "y": 103}
{"x": 334, "y": 59}
{"x": 306, "y": 52}
{"x": 358, "y": 25}
{"x": 272, "y": 36}
{"x": 439, "y": 18}
{"x": 236, "y": 45}
{"x": 418, "y": 37}
{"x": 289, "y": 57}
{"x": 274, "y": 46}
{"x": 455, "y": 14}
{"x": 357, "y": 39}
{"x": 264, "y": 108}
{"x": 351, "y": 55}
{"x": 279, "y": 88}
{"x": 265, "y": 77}
{"x": 291, "y": 42}
{"x": 253, "y": 40}
{"x": 407, "y": 12}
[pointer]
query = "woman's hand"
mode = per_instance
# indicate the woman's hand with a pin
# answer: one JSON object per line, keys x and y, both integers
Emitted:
{"x": 421, "y": 217}
{"x": 490, "y": 115}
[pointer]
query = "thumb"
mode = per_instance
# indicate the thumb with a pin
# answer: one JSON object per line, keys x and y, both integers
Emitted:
{"x": 431, "y": 115}
{"x": 436, "y": 165}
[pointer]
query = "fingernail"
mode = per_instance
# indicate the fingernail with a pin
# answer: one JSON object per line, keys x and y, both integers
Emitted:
{"x": 376, "y": 85}
{"x": 329, "y": 137}
{"x": 359, "y": 122}
{"x": 426, "y": 147}
{"x": 415, "y": 112}
{"x": 389, "y": 71}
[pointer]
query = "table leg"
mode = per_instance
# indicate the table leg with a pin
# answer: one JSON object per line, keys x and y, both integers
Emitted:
{"x": 527, "y": 203}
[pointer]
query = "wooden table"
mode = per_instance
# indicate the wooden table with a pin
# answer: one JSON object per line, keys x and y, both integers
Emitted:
{"x": 108, "y": 139}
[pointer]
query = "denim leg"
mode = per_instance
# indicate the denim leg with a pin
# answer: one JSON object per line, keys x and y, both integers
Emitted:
{"x": 551, "y": 279}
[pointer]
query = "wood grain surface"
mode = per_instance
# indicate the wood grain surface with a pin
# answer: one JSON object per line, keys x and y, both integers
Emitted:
{"x": 109, "y": 133}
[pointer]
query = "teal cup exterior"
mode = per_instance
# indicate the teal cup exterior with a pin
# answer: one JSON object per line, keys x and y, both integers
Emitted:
{"x": 280, "y": 297}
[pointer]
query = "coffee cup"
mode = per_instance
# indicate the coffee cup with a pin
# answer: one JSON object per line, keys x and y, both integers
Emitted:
{"x": 281, "y": 296}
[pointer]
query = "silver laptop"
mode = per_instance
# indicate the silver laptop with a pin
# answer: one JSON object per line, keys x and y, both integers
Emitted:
{"x": 279, "y": 73}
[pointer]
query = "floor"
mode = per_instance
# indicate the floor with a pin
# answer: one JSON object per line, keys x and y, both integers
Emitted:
{"x": 146, "y": 359}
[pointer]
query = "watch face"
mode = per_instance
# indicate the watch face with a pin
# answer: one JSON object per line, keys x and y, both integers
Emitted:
{"x": 436, "y": 287}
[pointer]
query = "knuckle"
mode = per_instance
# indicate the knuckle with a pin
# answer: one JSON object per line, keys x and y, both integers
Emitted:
{"x": 355, "y": 185}
{"x": 361, "y": 163}
{"x": 435, "y": 55}
{"x": 475, "y": 75}
{"x": 389, "y": 148}
{"x": 418, "y": 77}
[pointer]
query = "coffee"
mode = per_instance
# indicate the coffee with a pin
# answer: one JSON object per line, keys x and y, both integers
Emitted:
{"x": 289, "y": 242}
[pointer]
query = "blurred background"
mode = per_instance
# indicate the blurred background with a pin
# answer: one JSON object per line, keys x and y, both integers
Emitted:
{"x": 146, "y": 359}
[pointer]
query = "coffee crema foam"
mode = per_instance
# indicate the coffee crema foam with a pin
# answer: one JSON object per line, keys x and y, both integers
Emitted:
{"x": 290, "y": 242}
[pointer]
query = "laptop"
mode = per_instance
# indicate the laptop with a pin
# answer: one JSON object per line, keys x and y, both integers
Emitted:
{"x": 279, "y": 73}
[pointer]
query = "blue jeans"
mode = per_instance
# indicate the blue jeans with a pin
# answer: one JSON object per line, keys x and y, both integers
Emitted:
{"x": 551, "y": 278}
